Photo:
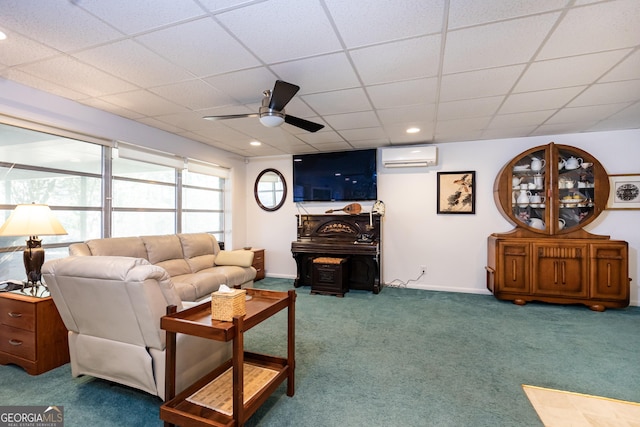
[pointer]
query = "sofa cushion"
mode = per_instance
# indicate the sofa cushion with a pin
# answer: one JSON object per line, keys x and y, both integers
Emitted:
{"x": 166, "y": 252}
{"x": 201, "y": 262}
{"x": 240, "y": 258}
{"x": 233, "y": 275}
{"x": 200, "y": 285}
{"x": 195, "y": 244}
{"x": 118, "y": 246}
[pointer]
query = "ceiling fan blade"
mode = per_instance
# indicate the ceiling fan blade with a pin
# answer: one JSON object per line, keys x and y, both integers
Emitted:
{"x": 231, "y": 116}
{"x": 302, "y": 123}
{"x": 282, "y": 94}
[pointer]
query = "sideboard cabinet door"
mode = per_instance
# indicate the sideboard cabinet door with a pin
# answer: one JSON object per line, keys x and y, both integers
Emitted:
{"x": 514, "y": 270}
{"x": 609, "y": 271}
{"x": 561, "y": 270}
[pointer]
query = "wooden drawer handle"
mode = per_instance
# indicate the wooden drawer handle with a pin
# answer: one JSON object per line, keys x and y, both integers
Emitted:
{"x": 15, "y": 342}
{"x": 14, "y": 314}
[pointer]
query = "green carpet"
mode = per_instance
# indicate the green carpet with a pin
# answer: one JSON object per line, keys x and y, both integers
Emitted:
{"x": 402, "y": 357}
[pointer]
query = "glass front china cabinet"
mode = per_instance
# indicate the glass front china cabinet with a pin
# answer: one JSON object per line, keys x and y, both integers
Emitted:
{"x": 550, "y": 193}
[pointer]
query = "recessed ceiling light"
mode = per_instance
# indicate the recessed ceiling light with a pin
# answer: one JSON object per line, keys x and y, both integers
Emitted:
{"x": 413, "y": 130}
{"x": 3, "y": 36}
{"x": 255, "y": 143}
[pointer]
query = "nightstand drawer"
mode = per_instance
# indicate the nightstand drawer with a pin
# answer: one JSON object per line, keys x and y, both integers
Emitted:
{"x": 18, "y": 342}
{"x": 18, "y": 314}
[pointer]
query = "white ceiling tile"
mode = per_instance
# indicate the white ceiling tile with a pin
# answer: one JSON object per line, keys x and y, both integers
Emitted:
{"x": 141, "y": 15}
{"x": 479, "y": 84}
{"x": 464, "y": 13}
{"x": 362, "y": 119}
{"x": 123, "y": 59}
{"x": 141, "y": 100}
{"x": 407, "y": 115}
{"x": 594, "y": 28}
{"x": 77, "y": 76}
{"x": 457, "y": 126}
{"x": 245, "y": 86}
{"x": 590, "y": 113}
{"x": 341, "y": 101}
{"x": 399, "y": 94}
{"x": 318, "y": 74}
{"x": 503, "y": 43}
{"x": 369, "y": 143}
{"x": 265, "y": 28}
{"x": 520, "y": 120}
{"x": 561, "y": 128}
{"x": 539, "y": 100}
{"x": 360, "y": 134}
{"x": 411, "y": 59}
{"x": 572, "y": 71}
{"x": 398, "y": 133}
{"x": 629, "y": 118}
{"x": 200, "y": 46}
{"x": 112, "y": 108}
{"x": 363, "y": 22}
{"x": 218, "y": 5}
{"x": 333, "y": 146}
{"x": 58, "y": 24}
{"x": 23, "y": 50}
{"x": 469, "y": 108}
{"x": 627, "y": 70}
{"x": 511, "y": 132}
{"x": 321, "y": 137}
{"x": 608, "y": 93}
{"x": 193, "y": 94}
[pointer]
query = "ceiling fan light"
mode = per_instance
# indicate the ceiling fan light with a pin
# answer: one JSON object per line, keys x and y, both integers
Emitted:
{"x": 271, "y": 121}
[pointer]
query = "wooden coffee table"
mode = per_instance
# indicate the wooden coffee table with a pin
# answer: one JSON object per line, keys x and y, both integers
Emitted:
{"x": 197, "y": 321}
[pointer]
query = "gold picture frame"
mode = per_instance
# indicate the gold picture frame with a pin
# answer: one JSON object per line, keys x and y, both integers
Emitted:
{"x": 624, "y": 192}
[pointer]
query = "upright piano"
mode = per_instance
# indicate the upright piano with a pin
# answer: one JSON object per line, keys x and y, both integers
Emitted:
{"x": 353, "y": 237}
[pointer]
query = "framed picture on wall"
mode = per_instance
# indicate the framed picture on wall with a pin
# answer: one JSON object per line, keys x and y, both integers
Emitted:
{"x": 456, "y": 192}
{"x": 624, "y": 192}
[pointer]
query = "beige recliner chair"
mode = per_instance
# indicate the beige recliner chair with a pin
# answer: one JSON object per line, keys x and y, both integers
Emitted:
{"x": 112, "y": 308}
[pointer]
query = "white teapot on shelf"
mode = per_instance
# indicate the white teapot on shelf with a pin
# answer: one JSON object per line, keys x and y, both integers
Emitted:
{"x": 561, "y": 223}
{"x": 515, "y": 181}
{"x": 573, "y": 163}
{"x": 537, "y": 164}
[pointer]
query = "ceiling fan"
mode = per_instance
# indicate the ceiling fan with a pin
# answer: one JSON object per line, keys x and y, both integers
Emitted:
{"x": 272, "y": 113}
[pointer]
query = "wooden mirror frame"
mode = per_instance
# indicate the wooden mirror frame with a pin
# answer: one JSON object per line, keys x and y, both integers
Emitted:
{"x": 279, "y": 203}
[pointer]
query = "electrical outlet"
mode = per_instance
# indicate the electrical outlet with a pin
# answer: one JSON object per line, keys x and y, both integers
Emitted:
{"x": 423, "y": 269}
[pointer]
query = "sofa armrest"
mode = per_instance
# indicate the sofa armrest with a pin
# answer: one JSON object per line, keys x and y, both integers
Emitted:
{"x": 240, "y": 258}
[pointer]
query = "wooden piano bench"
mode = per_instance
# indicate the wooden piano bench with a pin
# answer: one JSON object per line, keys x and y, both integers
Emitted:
{"x": 330, "y": 276}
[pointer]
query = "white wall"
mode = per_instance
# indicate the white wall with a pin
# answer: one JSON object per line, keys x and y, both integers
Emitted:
{"x": 25, "y": 103}
{"x": 453, "y": 247}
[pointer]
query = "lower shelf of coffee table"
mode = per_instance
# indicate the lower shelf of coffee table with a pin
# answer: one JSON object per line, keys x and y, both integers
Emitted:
{"x": 181, "y": 411}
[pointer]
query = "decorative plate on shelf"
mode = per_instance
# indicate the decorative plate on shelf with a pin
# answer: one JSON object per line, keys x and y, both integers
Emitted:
{"x": 521, "y": 168}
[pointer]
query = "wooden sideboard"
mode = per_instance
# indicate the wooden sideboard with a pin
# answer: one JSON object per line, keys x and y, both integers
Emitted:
{"x": 549, "y": 256}
{"x": 353, "y": 237}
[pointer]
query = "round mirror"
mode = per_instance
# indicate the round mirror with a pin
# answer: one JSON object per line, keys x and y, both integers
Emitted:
{"x": 270, "y": 190}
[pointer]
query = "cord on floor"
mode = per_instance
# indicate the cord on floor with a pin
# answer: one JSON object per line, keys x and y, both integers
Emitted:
{"x": 402, "y": 284}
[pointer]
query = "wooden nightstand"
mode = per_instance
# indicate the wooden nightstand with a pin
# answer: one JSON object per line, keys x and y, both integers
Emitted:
{"x": 258, "y": 263}
{"x": 32, "y": 334}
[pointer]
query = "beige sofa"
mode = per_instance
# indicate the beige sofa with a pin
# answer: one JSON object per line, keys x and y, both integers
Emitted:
{"x": 194, "y": 261}
{"x": 112, "y": 307}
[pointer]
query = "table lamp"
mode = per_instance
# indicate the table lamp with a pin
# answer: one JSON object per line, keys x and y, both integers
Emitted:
{"x": 32, "y": 220}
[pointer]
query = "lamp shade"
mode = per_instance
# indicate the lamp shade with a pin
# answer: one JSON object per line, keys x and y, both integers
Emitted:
{"x": 32, "y": 220}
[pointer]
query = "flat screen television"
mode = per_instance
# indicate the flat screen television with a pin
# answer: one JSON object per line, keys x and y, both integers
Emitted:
{"x": 335, "y": 177}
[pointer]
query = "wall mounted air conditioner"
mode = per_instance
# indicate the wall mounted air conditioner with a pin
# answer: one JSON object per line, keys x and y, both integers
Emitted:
{"x": 409, "y": 156}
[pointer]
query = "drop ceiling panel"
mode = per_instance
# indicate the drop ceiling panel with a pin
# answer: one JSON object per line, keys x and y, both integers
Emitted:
{"x": 479, "y": 84}
{"x": 372, "y": 63}
{"x": 319, "y": 74}
{"x": 539, "y": 100}
{"x": 364, "y": 22}
{"x": 573, "y": 71}
{"x": 157, "y": 13}
{"x": 265, "y": 28}
{"x": 193, "y": 94}
{"x": 404, "y": 93}
{"x": 504, "y": 43}
{"x": 595, "y": 28}
{"x": 200, "y": 46}
{"x": 133, "y": 62}
{"x": 361, "y": 119}
{"x": 464, "y": 13}
{"x": 341, "y": 101}
{"x": 60, "y": 25}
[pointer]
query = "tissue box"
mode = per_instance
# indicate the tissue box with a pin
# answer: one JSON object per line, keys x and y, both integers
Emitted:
{"x": 225, "y": 305}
